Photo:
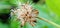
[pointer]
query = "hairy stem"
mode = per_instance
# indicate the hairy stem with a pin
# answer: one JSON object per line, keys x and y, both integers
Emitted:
{"x": 54, "y": 24}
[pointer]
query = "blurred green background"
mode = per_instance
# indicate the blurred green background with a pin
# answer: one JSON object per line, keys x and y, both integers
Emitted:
{"x": 48, "y": 9}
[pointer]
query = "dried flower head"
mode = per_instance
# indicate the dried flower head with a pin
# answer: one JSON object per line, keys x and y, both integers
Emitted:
{"x": 26, "y": 13}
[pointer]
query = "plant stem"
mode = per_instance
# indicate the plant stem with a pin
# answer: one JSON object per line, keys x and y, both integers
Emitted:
{"x": 54, "y": 24}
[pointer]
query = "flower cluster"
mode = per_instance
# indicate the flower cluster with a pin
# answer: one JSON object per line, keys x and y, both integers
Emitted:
{"x": 26, "y": 13}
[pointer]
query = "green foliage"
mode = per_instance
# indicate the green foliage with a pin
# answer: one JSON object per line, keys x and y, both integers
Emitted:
{"x": 14, "y": 22}
{"x": 13, "y": 2}
{"x": 54, "y": 5}
{"x": 4, "y": 6}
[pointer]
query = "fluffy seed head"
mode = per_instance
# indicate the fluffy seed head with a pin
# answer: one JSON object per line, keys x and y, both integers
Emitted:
{"x": 26, "y": 13}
